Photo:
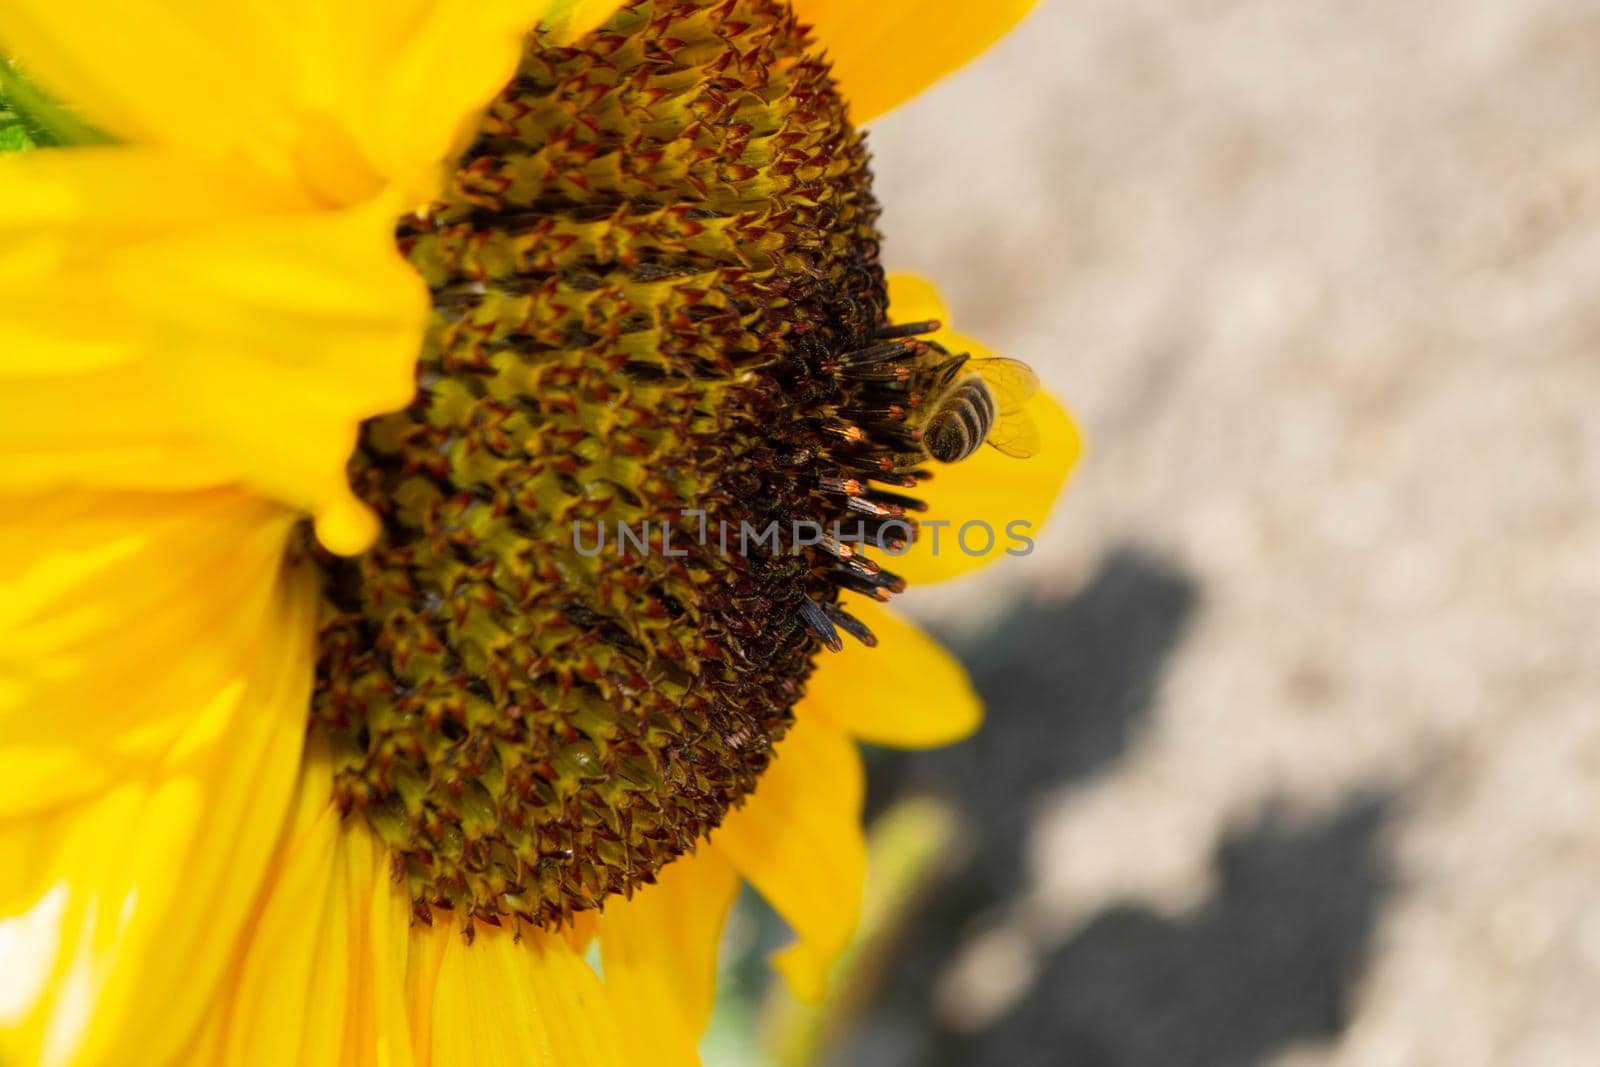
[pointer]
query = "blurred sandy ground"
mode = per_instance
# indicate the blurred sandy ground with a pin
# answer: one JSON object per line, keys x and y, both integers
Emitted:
{"x": 1297, "y": 709}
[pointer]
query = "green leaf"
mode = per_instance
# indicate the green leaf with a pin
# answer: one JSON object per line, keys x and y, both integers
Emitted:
{"x": 13, "y": 138}
{"x": 42, "y": 120}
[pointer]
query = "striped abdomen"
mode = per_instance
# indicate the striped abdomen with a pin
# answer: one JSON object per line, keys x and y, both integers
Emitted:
{"x": 961, "y": 421}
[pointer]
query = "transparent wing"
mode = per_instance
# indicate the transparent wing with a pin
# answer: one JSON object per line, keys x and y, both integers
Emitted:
{"x": 1015, "y": 434}
{"x": 1012, "y": 382}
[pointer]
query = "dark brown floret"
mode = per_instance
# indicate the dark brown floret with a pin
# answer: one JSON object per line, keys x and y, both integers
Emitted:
{"x": 657, "y": 301}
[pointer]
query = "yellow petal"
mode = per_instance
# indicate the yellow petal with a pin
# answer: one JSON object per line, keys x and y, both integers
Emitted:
{"x": 170, "y": 74}
{"x": 886, "y": 51}
{"x": 155, "y": 667}
{"x": 398, "y": 84}
{"x": 533, "y": 1003}
{"x": 989, "y": 506}
{"x": 320, "y": 976}
{"x": 907, "y": 692}
{"x": 581, "y": 932}
{"x": 142, "y": 347}
{"x": 334, "y": 973}
{"x": 334, "y": 99}
{"x": 799, "y": 841}
{"x": 659, "y": 955}
{"x": 567, "y": 20}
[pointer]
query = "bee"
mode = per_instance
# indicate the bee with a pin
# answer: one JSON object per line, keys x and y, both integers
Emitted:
{"x": 981, "y": 401}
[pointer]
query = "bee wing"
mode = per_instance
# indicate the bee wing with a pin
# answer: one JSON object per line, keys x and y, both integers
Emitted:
{"x": 1011, "y": 381}
{"x": 1015, "y": 434}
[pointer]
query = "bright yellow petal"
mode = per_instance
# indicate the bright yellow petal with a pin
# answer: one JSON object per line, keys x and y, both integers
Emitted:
{"x": 320, "y": 978}
{"x": 659, "y": 955}
{"x": 155, "y": 668}
{"x": 886, "y": 51}
{"x": 334, "y": 99}
{"x": 169, "y": 74}
{"x": 567, "y": 20}
{"x": 799, "y": 841}
{"x": 907, "y": 692}
{"x": 989, "y": 506}
{"x": 397, "y": 84}
{"x": 290, "y": 1005}
{"x": 529, "y": 1003}
{"x": 140, "y": 347}
{"x": 334, "y": 973}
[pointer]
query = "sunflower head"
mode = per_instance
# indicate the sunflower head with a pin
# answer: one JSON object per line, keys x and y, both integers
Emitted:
{"x": 651, "y": 302}
{"x": 658, "y": 316}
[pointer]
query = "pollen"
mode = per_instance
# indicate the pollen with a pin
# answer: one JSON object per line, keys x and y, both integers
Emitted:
{"x": 658, "y": 309}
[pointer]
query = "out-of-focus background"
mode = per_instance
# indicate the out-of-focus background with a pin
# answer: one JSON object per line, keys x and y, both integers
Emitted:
{"x": 1293, "y": 755}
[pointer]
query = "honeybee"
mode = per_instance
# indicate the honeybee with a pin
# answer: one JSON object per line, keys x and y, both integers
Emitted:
{"x": 982, "y": 401}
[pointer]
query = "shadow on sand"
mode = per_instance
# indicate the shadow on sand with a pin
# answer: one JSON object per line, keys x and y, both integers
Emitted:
{"x": 1267, "y": 962}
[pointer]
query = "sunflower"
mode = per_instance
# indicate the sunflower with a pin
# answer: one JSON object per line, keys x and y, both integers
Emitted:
{"x": 324, "y": 735}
